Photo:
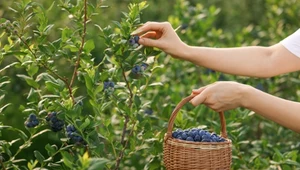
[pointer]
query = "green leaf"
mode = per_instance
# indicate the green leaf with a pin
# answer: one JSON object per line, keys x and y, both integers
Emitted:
{"x": 3, "y": 107}
{"x": 137, "y": 101}
{"x": 88, "y": 81}
{"x": 29, "y": 80}
{"x": 51, "y": 149}
{"x": 97, "y": 163}
{"x": 117, "y": 23}
{"x": 39, "y": 156}
{"x": 45, "y": 76}
{"x": 99, "y": 88}
{"x": 68, "y": 159}
{"x": 2, "y": 84}
{"x": 48, "y": 28}
{"x": 53, "y": 87}
{"x": 156, "y": 84}
{"x": 8, "y": 66}
{"x": 85, "y": 124}
{"x": 89, "y": 46}
{"x": 66, "y": 34}
{"x": 32, "y": 70}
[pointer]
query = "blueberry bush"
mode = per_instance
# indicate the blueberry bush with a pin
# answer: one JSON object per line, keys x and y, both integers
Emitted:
{"x": 77, "y": 92}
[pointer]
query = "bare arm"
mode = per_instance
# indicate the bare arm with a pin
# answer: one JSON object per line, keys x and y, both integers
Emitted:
{"x": 279, "y": 110}
{"x": 221, "y": 96}
{"x": 254, "y": 61}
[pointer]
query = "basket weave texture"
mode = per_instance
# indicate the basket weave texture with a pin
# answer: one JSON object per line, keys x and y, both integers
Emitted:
{"x": 187, "y": 155}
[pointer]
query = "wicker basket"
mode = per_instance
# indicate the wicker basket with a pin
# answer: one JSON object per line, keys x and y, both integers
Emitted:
{"x": 181, "y": 154}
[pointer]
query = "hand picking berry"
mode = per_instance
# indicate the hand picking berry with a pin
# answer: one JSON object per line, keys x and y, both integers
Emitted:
{"x": 31, "y": 121}
{"x": 196, "y": 135}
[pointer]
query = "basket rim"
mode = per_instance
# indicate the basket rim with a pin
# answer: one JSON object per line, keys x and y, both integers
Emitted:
{"x": 184, "y": 143}
{"x": 180, "y": 105}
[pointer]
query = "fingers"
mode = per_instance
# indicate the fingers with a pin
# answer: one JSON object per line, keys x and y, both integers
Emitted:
{"x": 151, "y": 34}
{"x": 200, "y": 98}
{"x": 149, "y": 42}
{"x": 151, "y": 26}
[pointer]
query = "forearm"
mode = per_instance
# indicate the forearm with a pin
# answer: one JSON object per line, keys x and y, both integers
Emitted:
{"x": 284, "y": 112}
{"x": 246, "y": 61}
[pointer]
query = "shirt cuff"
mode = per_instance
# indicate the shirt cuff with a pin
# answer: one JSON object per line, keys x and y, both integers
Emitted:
{"x": 292, "y": 43}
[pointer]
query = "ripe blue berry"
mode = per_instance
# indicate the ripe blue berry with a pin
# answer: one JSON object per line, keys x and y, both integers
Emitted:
{"x": 184, "y": 26}
{"x": 131, "y": 41}
{"x": 175, "y": 134}
{"x": 144, "y": 66}
{"x": 197, "y": 135}
{"x": 148, "y": 111}
{"x": 179, "y": 137}
{"x": 31, "y": 121}
{"x": 191, "y": 134}
{"x": 32, "y": 116}
{"x": 134, "y": 41}
{"x": 136, "y": 38}
{"x": 108, "y": 84}
{"x": 55, "y": 123}
{"x": 197, "y": 138}
{"x": 136, "y": 69}
{"x": 189, "y": 139}
{"x": 72, "y": 134}
{"x": 206, "y": 140}
{"x": 184, "y": 136}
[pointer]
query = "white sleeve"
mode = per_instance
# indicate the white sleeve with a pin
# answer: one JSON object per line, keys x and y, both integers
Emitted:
{"x": 292, "y": 43}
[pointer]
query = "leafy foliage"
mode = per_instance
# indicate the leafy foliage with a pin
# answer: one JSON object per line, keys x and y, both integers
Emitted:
{"x": 110, "y": 110}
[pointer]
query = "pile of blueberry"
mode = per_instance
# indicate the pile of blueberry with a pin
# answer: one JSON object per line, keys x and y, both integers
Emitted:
{"x": 196, "y": 135}
{"x": 72, "y": 134}
{"x": 55, "y": 123}
{"x": 31, "y": 121}
{"x": 134, "y": 41}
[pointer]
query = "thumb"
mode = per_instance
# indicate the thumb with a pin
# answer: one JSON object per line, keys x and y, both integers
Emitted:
{"x": 198, "y": 91}
{"x": 149, "y": 42}
{"x": 200, "y": 98}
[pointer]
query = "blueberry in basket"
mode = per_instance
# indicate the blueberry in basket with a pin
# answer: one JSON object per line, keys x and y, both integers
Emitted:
{"x": 196, "y": 135}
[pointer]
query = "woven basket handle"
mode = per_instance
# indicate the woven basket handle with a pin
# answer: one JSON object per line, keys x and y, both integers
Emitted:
{"x": 179, "y": 106}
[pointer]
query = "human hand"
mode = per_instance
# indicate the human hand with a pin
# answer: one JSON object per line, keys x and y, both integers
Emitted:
{"x": 220, "y": 96}
{"x": 162, "y": 36}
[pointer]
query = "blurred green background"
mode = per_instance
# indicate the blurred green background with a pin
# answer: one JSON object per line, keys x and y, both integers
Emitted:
{"x": 214, "y": 23}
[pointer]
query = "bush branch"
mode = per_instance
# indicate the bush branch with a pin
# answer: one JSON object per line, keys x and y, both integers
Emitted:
{"x": 49, "y": 69}
{"x": 82, "y": 44}
{"x": 128, "y": 86}
{"x": 125, "y": 146}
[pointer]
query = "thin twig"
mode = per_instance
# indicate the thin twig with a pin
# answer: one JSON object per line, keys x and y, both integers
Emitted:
{"x": 124, "y": 130}
{"x": 118, "y": 161}
{"x": 3, "y": 167}
{"x": 128, "y": 86}
{"x": 82, "y": 44}
{"x": 123, "y": 150}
